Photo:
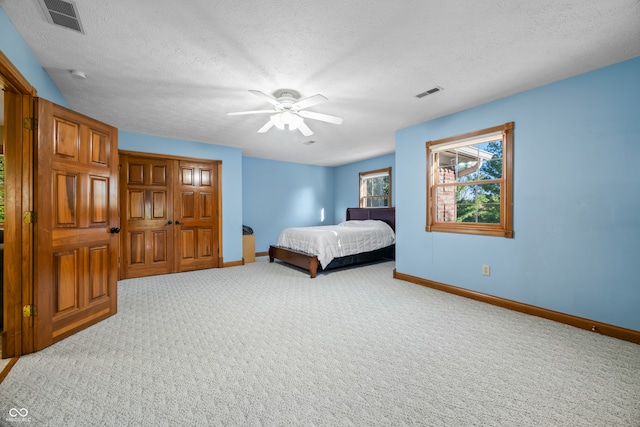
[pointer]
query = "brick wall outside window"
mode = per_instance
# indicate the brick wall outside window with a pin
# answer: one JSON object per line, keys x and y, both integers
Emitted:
{"x": 446, "y": 197}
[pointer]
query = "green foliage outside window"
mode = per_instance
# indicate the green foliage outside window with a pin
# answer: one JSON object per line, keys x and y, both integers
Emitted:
{"x": 481, "y": 203}
{"x": 378, "y": 186}
{"x": 375, "y": 188}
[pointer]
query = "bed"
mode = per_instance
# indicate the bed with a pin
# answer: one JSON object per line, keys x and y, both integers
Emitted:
{"x": 359, "y": 220}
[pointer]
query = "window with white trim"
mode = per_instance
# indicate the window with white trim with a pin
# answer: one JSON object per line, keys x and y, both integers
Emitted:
{"x": 470, "y": 183}
{"x": 375, "y": 188}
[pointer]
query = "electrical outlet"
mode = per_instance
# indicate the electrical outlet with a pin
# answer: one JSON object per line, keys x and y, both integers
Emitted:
{"x": 486, "y": 270}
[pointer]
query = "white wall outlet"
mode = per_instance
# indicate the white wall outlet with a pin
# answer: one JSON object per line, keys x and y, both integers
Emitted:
{"x": 486, "y": 270}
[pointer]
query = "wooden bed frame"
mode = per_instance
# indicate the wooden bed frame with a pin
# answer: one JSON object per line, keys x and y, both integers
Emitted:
{"x": 310, "y": 261}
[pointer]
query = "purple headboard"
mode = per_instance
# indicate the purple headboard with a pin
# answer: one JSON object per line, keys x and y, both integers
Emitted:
{"x": 387, "y": 215}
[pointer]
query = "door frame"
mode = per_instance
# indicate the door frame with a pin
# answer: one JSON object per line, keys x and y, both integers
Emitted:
{"x": 18, "y": 334}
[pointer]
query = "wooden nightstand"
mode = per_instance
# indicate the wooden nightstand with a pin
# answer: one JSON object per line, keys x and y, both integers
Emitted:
{"x": 248, "y": 248}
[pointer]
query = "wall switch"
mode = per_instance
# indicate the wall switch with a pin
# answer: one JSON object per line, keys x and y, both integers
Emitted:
{"x": 486, "y": 270}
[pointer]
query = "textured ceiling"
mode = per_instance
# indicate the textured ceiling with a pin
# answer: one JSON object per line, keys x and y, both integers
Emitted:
{"x": 174, "y": 69}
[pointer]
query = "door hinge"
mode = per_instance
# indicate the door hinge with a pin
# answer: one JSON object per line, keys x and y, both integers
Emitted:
{"x": 30, "y": 310}
{"x": 30, "y": 217}
{"x": 29, "y": 123}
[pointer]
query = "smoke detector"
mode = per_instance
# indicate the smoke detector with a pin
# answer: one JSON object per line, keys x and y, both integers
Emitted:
{"x": 78, "y": 74}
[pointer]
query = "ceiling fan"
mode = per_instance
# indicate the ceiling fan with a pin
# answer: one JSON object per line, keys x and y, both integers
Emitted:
{"x": 289, "y": 111}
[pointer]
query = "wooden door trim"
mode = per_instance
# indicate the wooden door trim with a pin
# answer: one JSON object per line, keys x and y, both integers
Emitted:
{"x": 220, "y": 239}
{"x": 17, "y": 338}
{"x": 164, "y": 156}
{"x": 12, "y": 79}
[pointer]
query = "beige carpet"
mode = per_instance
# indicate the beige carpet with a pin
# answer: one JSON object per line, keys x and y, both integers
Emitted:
{"x": 264, "y": 345}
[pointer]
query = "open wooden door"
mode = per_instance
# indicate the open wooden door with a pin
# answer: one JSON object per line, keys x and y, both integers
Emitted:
{"x": 76, "y": 258}
{"x": 197, "y": 215}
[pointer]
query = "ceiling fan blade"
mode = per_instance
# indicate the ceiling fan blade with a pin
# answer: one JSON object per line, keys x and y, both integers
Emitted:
{"x": 266, "y": 127}
{"x": 240, "y": 113}
{"x": 304, "y": 129}
{"x": 310, "y": 101}
{"x": 266, "y": 97}
{"x": 322, "y": 117}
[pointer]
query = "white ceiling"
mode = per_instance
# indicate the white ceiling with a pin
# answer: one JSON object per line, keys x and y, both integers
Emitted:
{"x": 175, "y": 68}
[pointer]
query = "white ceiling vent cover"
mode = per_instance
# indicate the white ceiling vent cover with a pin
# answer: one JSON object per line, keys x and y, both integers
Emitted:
{"x": 62, "y": 13}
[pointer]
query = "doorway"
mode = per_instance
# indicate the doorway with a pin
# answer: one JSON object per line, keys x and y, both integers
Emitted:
{"x": 60, "y": 197}
{"x": 17, "y": 105}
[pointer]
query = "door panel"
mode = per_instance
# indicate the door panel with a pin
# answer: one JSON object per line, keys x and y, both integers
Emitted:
{"x": 99, "y": 201}
{"x": 159, "y": 205}
{"x": 98, "y": 279}
{"x": 65, "y": 283}
{"x": 76, "y": 200}
{"x": 146, "y": 195}
{"x": 198, "y": 215}
{"x": 64, "y": 200}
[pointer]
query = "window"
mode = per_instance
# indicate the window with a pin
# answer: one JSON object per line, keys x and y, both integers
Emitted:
{"x": 470, "y": 183}
{"x": 375, "y": 188}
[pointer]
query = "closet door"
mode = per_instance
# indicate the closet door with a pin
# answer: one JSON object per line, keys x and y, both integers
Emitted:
{"x": 146, "y": 199}
{"x": 196, "y": 211}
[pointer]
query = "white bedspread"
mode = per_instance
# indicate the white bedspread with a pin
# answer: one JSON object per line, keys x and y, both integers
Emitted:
{"x": 333, "y": 241}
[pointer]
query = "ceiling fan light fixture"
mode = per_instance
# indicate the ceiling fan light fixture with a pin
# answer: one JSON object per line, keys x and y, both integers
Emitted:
{"x": 287, "y": 117}
{"x": 290, "y": 111}
{"x": 296, "y": 121}
{"x": 276, "y": 119}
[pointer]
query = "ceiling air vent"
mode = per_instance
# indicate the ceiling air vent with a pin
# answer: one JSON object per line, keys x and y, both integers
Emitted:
{"x": 63, "y": 13}
{"x": 429, "y": 92}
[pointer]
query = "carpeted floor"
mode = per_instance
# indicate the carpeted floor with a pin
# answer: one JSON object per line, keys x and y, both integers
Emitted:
{"x": 265, "y": 345}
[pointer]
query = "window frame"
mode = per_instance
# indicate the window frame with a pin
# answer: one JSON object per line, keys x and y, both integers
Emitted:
{"x": 362, "y": 198}
{"x": 505, "y": 227}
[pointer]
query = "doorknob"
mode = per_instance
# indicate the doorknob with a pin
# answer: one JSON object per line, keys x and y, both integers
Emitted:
{"x": 177, "y": 222}
{"x": 114, "y": 230}
{"x": 170, "y": 222}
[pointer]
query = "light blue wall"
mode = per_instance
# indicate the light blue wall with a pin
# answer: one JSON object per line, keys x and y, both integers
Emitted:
{"x": 347, "y": 182}
{"x": 577, "y": 197}
{"x": 14, "y": 47}
{"x": 277, "y": 195}
{"x": 231, "y": 179}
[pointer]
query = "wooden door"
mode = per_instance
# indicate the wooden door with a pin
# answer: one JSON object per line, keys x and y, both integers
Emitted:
{"x": 196, "y": 211}
{"x": 76, "y": 193}
{"x": 146, "y": 200}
